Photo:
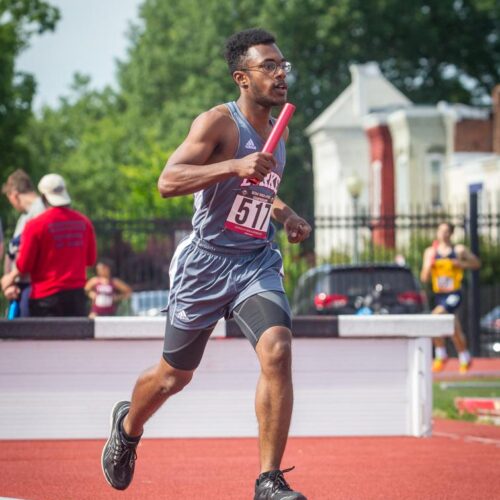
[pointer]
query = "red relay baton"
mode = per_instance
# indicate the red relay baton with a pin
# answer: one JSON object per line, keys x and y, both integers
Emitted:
{"x": 277, "y": 131}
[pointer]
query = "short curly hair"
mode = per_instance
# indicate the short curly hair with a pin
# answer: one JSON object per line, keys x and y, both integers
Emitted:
{"x": 238, "y": 44}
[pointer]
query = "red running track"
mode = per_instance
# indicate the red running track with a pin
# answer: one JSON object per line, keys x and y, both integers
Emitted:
{"x": 481, "y": 368}
{"x": 461, "y": 461}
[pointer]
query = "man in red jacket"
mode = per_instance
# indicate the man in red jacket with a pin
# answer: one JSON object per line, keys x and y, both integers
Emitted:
{"x": 56, "y": 247}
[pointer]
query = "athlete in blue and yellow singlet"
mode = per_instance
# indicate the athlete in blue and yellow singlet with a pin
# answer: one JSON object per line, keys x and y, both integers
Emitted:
{"x": 444, "y": 266}
{"x": 446, "y": 278}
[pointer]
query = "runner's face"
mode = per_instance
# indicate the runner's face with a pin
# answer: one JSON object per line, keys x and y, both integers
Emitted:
{"x": 444, "y": 233}
{"x": 268, "y": 88}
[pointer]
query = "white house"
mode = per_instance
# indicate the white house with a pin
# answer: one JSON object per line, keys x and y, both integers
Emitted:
{"x": 474, "y": 169}
{"x": 419, "y": 138}
{"x": 474, "y": 159}
{"x": 340, "y": 146}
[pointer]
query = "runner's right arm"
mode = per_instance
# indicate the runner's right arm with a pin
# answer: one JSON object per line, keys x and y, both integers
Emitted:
{"x": 204, "y": 158}
{"x": 428, "y": 261}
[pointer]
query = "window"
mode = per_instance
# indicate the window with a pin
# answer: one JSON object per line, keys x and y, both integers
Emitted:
{"x": 436, "y": 172}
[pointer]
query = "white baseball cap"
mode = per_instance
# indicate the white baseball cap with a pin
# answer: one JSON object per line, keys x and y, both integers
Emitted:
{"x": 53, "y": 187}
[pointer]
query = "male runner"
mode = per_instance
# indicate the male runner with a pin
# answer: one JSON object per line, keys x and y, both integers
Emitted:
{"x": 444, "y": 265}
{"x": 229, "y": 265}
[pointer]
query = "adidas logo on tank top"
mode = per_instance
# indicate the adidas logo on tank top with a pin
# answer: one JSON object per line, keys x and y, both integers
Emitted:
{"x": 250, "y": 145}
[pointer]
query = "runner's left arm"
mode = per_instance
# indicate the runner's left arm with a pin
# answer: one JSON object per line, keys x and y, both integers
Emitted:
{"x": 466, "y": 259}
{"x": 297, "y": 228}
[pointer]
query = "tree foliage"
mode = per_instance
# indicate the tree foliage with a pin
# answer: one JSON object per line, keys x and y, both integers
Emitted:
{"x": 19, "y": 21}
{"x": 112, "y": 145}
{"x": 432, "y": 50}
{"x": 110, "y": 164}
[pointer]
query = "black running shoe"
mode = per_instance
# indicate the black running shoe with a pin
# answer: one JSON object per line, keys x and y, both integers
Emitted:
{"x": 273, "y": 486}
{"x": 119, "y": 455}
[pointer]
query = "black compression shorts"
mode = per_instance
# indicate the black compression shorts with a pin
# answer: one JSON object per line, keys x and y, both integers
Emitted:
{"x": 183, "y": 349}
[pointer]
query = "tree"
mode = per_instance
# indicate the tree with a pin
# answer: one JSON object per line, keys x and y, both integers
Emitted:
{"x": 431, "y": 50}
{"x": 110, "y": 163}
{"x": 174, "y": 69}
{"x": 19, "y": 21}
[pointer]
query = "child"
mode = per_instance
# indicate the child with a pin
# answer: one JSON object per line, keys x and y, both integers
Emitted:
{"x": 104, "y": 291}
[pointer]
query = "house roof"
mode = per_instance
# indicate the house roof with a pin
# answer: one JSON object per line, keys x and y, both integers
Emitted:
{"x": 368, "y": 92}
{"x": 464, "y": 112}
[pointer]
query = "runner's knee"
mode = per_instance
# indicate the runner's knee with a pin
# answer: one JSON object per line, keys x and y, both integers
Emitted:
{"x": 439, "y": 310}
{"x": 275, "y": 349}
{"x": 262, "y": 312}
{"x": 171, "y": 380}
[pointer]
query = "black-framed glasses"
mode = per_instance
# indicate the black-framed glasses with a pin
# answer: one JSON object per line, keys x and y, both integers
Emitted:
{"x": 270, "y": 67}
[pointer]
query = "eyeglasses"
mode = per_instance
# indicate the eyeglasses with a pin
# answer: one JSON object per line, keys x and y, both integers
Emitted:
{"x": 271, "y": 67}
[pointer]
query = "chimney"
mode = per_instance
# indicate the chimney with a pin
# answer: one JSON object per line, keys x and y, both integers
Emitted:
{"x": 496, "y": 119}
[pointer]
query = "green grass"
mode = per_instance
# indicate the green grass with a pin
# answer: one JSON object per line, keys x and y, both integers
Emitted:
{"x": 443, "y": 398}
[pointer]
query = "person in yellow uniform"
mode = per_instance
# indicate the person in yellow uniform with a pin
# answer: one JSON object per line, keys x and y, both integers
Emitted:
{"x": 444, "y": 265}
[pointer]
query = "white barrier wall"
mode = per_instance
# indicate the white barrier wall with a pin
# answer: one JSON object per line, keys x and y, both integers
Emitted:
{"x": 137, "y": 327}
{"x": 371, "y": 384}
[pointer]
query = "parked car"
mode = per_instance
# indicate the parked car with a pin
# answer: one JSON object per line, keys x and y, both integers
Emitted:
{"x": 359, "y": 289}
{"x": 490, "y": 332}
{"x": 490, "y": 322}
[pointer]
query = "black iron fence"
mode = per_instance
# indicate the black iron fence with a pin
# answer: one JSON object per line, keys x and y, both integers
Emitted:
{"x": 142, "y": 250}
{"x": 402, "y": 239}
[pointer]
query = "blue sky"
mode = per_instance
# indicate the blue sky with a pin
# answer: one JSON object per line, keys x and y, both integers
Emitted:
{"x": 89, "y": 38}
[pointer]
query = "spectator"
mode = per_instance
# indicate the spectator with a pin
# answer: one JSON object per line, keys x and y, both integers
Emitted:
{"x": 21, "y": 194}
{"x": 56, "y": 248}
{"x": 444, "y": 264}
{"x": 104, "y": 291}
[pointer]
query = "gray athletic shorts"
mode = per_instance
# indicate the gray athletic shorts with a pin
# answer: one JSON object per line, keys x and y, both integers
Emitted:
{"x": 207, "y": 285}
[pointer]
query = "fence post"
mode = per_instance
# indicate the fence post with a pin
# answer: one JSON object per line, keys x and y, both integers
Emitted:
{"x": 356, "y": 219}
{"x": 474, "y": 295}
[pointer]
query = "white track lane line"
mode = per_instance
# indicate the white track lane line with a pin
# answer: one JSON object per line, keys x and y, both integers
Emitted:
{"x": 468, "y": 439}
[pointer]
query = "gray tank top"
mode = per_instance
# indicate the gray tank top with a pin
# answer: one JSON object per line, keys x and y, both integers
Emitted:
{"x": 235, "y": 213}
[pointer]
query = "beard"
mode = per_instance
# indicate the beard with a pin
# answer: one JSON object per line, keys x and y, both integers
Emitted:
{"x": 266, "y": 98}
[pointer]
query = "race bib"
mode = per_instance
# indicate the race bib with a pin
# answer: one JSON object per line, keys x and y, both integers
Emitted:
{"x": 445, "y": 284}
{"x": 103, "y": 300}
{"x": 250, "y": 213}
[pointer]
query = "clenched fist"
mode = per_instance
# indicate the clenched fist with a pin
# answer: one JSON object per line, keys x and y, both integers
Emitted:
{"x": 255, "y": 166}
{"x": 297, "y": 229}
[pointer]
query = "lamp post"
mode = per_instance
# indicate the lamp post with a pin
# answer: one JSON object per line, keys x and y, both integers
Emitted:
{"x": 354, "y": 185}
